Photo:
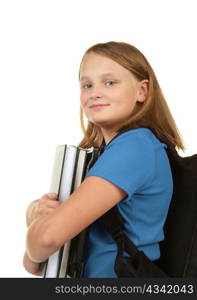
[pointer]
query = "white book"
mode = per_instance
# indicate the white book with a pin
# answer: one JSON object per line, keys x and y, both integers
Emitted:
{"x": 79, "y": 175}
{"x": 78, "y": 248}
{"x": 61, "y": 183}
{"x": 68, "y": 172}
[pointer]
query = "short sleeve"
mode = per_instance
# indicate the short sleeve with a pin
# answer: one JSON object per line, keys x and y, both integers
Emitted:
{"x": 127, "y": 162}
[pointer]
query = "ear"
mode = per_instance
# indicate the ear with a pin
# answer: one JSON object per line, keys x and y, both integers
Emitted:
{"x": 142, "y": 90}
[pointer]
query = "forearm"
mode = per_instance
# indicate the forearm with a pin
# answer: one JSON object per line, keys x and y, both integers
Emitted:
{"x": 37, "y": 236}
{"x": 86, "y": 204}
{"x": 39, "y": 247}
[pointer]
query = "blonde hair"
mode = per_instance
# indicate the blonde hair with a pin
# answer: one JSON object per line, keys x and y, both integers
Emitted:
{"x": 153, "y": 113}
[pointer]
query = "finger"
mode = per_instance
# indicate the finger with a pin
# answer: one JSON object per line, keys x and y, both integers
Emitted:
{"x": 52, "y": 203}
{"x": 46, "y": 211}
{"x": 44, "y": 197}
{"x": 48, "y": 203}
{"x": 52, "y": 196}
{"x": 50, "y": 209}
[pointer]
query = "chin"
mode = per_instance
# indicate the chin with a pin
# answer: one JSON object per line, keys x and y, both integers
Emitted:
{"x": 99, "y": 122}
{"x": 102, "y": 123}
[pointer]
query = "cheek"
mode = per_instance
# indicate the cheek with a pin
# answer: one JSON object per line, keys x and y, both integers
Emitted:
{"x": 122, "y": 98}
{"x": 125, "y": 102}
{"x": 83, "y": 100}
{"x": 129, "y": 97}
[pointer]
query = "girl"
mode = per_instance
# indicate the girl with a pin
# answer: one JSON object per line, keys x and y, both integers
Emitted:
{"x": 119, "y": 93}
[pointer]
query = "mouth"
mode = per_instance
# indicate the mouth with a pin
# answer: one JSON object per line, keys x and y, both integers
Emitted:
{"x": 98, "y": 105}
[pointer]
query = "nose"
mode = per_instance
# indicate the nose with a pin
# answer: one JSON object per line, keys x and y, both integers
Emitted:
{"x": 95, "y": 93}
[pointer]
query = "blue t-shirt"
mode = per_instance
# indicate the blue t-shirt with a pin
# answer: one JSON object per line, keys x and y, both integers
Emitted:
{"x": 136, "y": 162}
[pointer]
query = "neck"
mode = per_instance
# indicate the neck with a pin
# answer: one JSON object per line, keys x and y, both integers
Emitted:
{"x": 108, "y": 135}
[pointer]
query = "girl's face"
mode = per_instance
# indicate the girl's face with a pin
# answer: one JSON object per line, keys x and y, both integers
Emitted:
{"x": 109, "y": 92}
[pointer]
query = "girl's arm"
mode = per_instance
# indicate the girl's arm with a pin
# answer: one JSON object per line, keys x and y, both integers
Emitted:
{"x": 38, "y": 208}
{"x": 30, "y": 266}
{"x": 91, "y": 200}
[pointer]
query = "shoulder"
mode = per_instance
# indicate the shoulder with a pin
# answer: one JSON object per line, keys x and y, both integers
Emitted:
{"x": 132, "y": 152}
{"x": 129, "y": 160}
{"x": 135, "y": 135}
{"x": 138, "y": 142}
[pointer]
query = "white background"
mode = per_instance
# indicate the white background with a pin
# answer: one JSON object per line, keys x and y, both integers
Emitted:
{"x": 41, "y": 46}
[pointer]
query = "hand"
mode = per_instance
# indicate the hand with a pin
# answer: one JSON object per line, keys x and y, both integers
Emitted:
{"x": 30, "y": 266}
{"x": 41, "y": 207}
{"x": 46, "y": 204}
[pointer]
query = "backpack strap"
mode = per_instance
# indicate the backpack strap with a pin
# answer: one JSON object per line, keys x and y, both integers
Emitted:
{"x": 136, "y": 264}
{"x": 114, "y": 224}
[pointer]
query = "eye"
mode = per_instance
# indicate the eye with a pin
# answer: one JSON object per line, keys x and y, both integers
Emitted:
{"x": 87, "y": 86}
{"x": 110, "y": 83}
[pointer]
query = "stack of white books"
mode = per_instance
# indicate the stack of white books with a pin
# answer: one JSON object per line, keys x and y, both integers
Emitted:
{"x": 70, "y": 167}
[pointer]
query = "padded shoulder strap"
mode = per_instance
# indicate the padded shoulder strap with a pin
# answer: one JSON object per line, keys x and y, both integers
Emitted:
{"x": 114, "y": 224}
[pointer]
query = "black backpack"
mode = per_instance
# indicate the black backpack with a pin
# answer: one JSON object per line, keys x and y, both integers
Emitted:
{"x": 179, "y": 248}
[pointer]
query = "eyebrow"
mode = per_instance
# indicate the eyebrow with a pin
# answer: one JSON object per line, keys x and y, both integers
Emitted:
{"x": 102, "y": 75}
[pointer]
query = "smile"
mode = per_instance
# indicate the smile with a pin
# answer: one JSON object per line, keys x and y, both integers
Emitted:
{"x": 95, "y": 106}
